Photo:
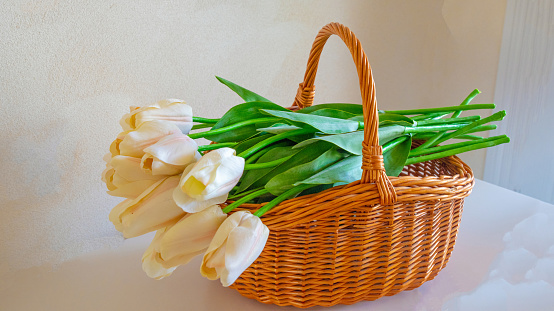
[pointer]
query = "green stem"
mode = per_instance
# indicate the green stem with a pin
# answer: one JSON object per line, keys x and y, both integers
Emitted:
{"x": 229, "y": 128}
{"x": 435, "y": 149}
{"x": 442, "y": 109}
{"x": 465, "y": 102}
{"x": 428, "y": 116}
{"x": 431, "y": 128}
{"x": 465, "y": 130}
{"x": 469, "y": 147}
{"x": 430, "y": 142}
{"x": 201, "y": 126}
{"x": 204, "y": 120}
{"x": 215, "y": 146}
{"x": 266, "y": 142}
{"x": 238, "y": 195}
{"x": 427, "y": 136}
{"x": 449, "y": 121}
{"x": 282, "y": 197}
{"x": 256, "y": 156}
{"x": 258, "y": 166}
{"x": 391, "y": 144}
{"x": 247, "y": 198}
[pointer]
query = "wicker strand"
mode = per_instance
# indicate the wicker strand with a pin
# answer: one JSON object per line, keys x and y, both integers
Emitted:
{"x": 304, "y": 96}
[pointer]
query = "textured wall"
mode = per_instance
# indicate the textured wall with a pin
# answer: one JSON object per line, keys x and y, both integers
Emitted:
{"x": 70, "y": 69}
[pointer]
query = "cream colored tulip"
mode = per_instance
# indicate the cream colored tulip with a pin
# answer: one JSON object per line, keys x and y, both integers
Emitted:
{"x": 236, "y": 245}
{"x": 145, "y": 135}
{"x": 208, "y": 181}
{"x": 151, "y": 210}
{"x": 190, "y": 237}
{"x": 170, "y": 155}
{"x": 151, "y": 260}
{"x": 175, "y": 111}
{"x": 114, "y": 147}
{"x": 125, "y": 178}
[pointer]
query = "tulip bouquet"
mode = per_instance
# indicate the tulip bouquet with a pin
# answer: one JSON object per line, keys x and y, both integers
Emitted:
{"x": 260, "y": 152}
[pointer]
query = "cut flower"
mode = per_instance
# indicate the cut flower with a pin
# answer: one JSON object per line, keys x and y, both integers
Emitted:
{"x": 208, "y": 181}
{"x": 236, "y": 245}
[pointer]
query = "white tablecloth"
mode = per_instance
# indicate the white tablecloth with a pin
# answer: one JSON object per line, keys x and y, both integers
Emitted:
{"x": 503, "y": 260}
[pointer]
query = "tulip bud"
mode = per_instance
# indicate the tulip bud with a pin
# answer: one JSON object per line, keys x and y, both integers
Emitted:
{"x": 151, "y": 261}
{"x": 236, "y": 245}
{"x": 175, "y": 111}
{"x": 190, "y": 236}
{"x": 151, "y": 210}
{"x": 170, "y": 155}
{"x": 124, "y": 177}
{"x": 208, "y": 181}
{"x": 147, "y": 134}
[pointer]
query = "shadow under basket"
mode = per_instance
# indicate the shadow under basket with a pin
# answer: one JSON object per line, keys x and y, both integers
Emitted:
{"x": 358, "y": 242}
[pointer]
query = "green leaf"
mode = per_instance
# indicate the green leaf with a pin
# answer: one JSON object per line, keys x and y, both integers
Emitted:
{"x": 245, "y": 94}
{"x": 351, "y": 142}
{"x": 333, "y": 113}
{"x": 390, "y": 132}
{"x": 324, "y": 124}
{"x": 250, "y": 177}
{"x": 351, "y": 108}
{"x": 245, "y": 111}
{"x": 278, "y": 128}
{"x": 249, "y": 142}
{"x": 388, "y": 119}
{"x": 394, "y": 119}
{"x": 259, "y": 178}
{"x": 345, "y": 171}
{"x": 395, "y": 157}
{"x": 286, "y": 180}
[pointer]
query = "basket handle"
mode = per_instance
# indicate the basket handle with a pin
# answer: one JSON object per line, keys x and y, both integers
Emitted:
{"x": 372, "y": 159}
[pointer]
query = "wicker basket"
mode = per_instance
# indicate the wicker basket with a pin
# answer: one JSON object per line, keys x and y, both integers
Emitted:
{"x": 372, "y": 238}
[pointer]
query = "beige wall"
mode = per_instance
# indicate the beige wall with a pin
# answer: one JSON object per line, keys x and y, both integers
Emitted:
{"x": 70, "y": 70}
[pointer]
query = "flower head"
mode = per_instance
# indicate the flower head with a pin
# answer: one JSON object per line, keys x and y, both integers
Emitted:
{"x": 236, "y": 245}
{"x": 208, "y": 181}
{"x": 170, "y": 155}
{"x": 174, "y": 111}
{"x": 151, "y": 210}
{"x": 179, "y": 243}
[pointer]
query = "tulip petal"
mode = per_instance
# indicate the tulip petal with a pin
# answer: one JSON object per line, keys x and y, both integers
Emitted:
{"x": 192, "y": 205}
{"x": 174, "y": 110}
{"x": 244, "y": 246}
{"x": 238, "y": 242}
{"x": 227, "y": 176}
{"x": 129, "y": 168}
{"x": 132, "y": 189}
{"x": 147, "y": 134}
{"x": 151, "y": 261}
{"x": 213, "y": 176}
{"x": 151, "y": 210}
{"x": 190, "y": 236}
{"x": 176, "y": 149}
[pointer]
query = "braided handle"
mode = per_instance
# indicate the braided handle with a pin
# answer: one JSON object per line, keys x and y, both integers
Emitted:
{"x": 372, "y": 163}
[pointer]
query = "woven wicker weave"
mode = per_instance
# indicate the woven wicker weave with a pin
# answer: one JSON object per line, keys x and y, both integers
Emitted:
{"x": 371, "y": 238}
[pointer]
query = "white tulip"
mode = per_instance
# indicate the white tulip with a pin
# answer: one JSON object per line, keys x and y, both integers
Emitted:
{"x": 170, "y": 155}
{"x": 125, "y": 178}
{"x": 151, "y": 210}
{"x": 190, "y": 237}
{"x": 134, "y": 142}
{"x": 175, "y": 111}
{"x": 151, "y": 261}
{"x": 208, "y": 181}
{"x": 236, "y": 245}
{"x": 177, "y": 244}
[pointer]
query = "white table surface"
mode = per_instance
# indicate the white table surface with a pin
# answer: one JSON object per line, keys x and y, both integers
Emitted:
{"x": 503, "y": 260}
